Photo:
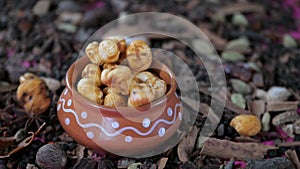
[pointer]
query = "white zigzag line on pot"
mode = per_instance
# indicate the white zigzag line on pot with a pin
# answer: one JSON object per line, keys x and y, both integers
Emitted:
{"x": 120, "y": 130}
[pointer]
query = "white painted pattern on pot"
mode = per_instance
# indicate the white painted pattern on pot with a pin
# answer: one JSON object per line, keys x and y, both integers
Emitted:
{"x": 115, "y": 124}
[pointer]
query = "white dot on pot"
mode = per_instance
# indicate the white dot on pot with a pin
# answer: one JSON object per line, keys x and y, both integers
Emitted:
{"x": 58, "y": 107}
{"x": 170, "y": 111}
{"x": 67, "y": 121}
{"x": 128, "y": 139}
{"x": 84, "y": 115}
{"x": 69, "y": 102}
{"x": 90, "y": 134}
{"x": 146, "y": 122}
{"x": 115, "y": 125}
{"x": 66, "y": 91}
{"x": 161, "y": 132}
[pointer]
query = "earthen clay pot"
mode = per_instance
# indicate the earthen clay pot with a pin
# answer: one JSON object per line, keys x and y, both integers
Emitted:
{"x": 123, "y": 131}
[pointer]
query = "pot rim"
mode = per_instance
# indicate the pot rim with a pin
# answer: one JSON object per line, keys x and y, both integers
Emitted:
{"x": 69, "y": 84}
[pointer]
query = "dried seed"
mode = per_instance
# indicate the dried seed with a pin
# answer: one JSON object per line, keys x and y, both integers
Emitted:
{"x": 139, "y": 55}
{"x": 246, "y": 125}
{"x": 109, "y": 51}
{"x": 87, "y": 89}
{"x": 266, "y": 121}
{"x": 240, "y": 86}
{"x": 92, "y": 72}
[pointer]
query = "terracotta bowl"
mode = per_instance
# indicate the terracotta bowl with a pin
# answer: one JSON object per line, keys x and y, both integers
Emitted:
{"x": 123, "y": 131}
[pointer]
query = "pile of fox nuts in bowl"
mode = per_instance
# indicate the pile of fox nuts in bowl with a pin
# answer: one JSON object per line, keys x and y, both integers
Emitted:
{"x": 118, "y": 75}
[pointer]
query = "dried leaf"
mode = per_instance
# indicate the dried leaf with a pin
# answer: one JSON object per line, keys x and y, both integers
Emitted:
{"x": 289, "y": 41}
{"x": 240, "y": 86}
{"x": 239, "y": 20}
{"x": 134, "y": 166}
{"x": 240, "y": 44}
{"x": 232, "y": 56}
{"x": 238, "y": 100}
{"x": 186, "y": 146}
{"x": 226, "y": 149}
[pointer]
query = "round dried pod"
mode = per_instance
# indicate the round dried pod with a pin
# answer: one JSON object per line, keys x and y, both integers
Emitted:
{"x": 92, "y": 72}
{"x": 117, "y": 78}
{"x": 139, "y": 55}
{"x": 120, "y": 42}
{"x": 114, "y": 100}
{"x": 109, "y": 51}
{"x": 92, "y": 53}
{"x": 158, "y": 86}
{"x": 32, "y": 94}
{"x": 27, "y": 76}
{"x": 51, "y": 156}
{"x": 109, "y": 65}
{"x": 140, "y": 94}
{"x": 246, "y": 125}
{"x": 90, "y": 91}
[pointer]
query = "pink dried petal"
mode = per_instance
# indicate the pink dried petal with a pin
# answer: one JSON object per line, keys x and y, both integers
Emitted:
{"x": 289, "y": 139}
{"x": 39, "y": 139}
{"x": 240, "y": 164}
{"x": 296, "y": 13}
{"x": 281, "y": 132}
{"x": 10, "y": 52}
{"x": 26, "y": 64}
{"x": 295, "y": 34}
{"x": 96, "y": 5}
{"x": 269, "y": 143}
{"x": 289, "y": 2}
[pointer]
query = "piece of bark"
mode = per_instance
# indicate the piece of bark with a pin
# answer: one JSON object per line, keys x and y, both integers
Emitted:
{"x": 289, "y": 116}
{"x": 292, "y": 155}
{"x": 226, "y": 149}
{"x": 289, "y": 144}
{"x": 228, "y": 104}
{"x": 186, "y": 146}
{"x": 258, "y": 107}
{"x": 282, "y": 106}
{"x": 241, "y": 7}
{"x": 273, "y": 163}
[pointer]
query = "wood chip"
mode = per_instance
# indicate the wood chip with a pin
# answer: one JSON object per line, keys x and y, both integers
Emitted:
{"x": 241, "y": 7}
{"x": 292, "y": 155}
{"x": 162, "y": 163}
{"x": 186, "y": 146}
{"x": 226, "y": 149}
{"x": 257, "y": 107}
{"x": 282, "y": 106}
